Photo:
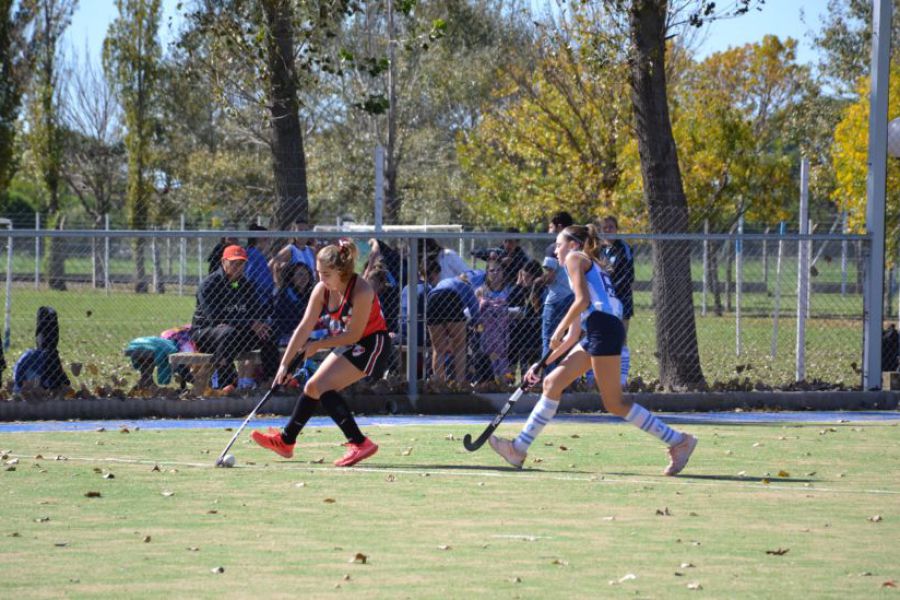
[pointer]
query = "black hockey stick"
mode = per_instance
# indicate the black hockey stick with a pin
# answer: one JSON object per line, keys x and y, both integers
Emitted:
{"x": 523, "y": 387}
{"x": 291, "y": 368}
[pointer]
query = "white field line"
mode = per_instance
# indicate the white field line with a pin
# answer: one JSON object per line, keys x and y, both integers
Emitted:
{"x": 599, "y": 478}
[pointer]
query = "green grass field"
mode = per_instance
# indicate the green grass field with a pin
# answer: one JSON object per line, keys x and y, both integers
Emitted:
{"x": 761, "y": 512}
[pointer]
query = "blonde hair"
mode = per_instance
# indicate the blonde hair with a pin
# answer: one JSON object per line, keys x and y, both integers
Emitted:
{"x": 340, "y": 257}
{"x": 587, "y": 237}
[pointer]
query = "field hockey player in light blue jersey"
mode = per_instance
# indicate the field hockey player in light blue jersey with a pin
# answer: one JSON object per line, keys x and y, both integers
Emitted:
{"x": 597, "y": 313}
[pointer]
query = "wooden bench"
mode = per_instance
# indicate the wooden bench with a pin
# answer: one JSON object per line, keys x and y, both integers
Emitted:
{"x": 201, "y": 366}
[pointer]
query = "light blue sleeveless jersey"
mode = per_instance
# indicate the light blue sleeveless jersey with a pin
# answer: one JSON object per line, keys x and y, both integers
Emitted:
{"x": 602, "y": 294}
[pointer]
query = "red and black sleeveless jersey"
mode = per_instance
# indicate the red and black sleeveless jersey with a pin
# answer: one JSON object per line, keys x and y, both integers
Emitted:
{"x": 339, "y": 317}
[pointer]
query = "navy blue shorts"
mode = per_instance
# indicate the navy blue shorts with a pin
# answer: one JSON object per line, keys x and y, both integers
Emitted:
{"x": 604, "y": 335}
{"x": 369, "y": 355}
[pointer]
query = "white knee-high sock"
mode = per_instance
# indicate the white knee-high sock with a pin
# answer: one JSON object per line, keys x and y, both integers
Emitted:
{"x": 644, "y": 419}
{"x": 626, "y": 364}
{"x": 541, "y": 414}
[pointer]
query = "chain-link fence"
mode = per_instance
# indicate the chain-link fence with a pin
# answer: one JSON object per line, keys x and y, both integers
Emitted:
{"x": 768, "y": 311}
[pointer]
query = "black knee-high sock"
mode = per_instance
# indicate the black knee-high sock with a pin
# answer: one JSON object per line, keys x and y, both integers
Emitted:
{"x": 303, "y": 410}
{"x": 337, "y": 408}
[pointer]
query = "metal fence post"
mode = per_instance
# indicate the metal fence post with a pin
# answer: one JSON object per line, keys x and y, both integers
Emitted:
{"x": 37, "y": 250}
{"x": 802, "y": 273}
{"x": 876, "y": 184}
{"x": 182, "y": 256}
{"x": 412, "y": 321}
{"x": 739, "y": 277}
{"x": 106, "y": 256}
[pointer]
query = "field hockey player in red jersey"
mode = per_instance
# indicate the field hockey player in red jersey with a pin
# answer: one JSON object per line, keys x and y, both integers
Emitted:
{"x": 361, "y": 346}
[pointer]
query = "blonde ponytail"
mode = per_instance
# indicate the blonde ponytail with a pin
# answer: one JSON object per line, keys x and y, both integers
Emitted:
{"x": 340, "y": 257}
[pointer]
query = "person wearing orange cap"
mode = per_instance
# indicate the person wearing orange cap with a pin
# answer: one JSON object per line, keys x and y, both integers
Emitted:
{"x": 230, "y": 318}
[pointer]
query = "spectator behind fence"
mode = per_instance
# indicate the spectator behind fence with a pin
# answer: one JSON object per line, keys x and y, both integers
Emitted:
{"x": 513, "y": 259}
{"x": 559, "y": 294}
{"x": 230, "y": 319}
{"x": 378, "y": 274}
{"x": 257, "y": 269}
{"x": 214, "y": 258}
{"x": 448, "y": 302}
{"x": 381, "y": 251}
{"x": 493, "y": 304}
{"x": 526, "y": 301}
{"x": 41, "y": 367}
{"x": 290, "y": 300}
{"x": 298, "y": 250}
{"x": 452, "y": 265}
{"x": 619, "y": 263}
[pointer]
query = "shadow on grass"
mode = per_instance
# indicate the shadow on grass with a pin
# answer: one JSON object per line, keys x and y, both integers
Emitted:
{"x": 748, "y": 479}
{"x": 450, "y": 467}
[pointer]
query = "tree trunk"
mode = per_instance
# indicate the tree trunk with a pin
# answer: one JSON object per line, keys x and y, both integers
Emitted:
{"x": 137, "y": 195}
{"x": 56, "y": 249}
{"x": 288, "y": 159}
{"x": 392, "y": 201}
{"x": 676, "y": 330}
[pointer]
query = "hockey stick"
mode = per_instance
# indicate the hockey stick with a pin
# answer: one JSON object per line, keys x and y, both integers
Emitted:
{"x": 523, "y": 387}
{"x": 265, "y": 398}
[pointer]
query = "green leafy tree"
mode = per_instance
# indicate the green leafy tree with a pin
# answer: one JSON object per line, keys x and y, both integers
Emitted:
{"x": 45, "y": 133}
{"x": 16, "y": 54}
{"x": 845, "y": 42}
{"x": 552, "y": 139}
{"x": 131, "y": 56}
{"x": 850, "y": 161}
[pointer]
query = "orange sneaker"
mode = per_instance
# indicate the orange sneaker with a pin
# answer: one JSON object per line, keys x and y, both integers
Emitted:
{"x": 274, "y": 442}
{"x": 356, "y": 453}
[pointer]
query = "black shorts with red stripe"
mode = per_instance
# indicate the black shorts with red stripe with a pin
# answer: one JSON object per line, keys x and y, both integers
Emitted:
{"x": 370, "y": 354}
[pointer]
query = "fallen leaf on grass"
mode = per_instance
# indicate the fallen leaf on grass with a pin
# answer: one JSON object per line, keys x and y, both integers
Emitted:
{"x": 218, "y": 570}
{"x": 359, "y": 558}
{"x": 317, "y": 461}
{"x": 663, "y": 512}
{"x": 61, "y": 544}
{"x": 875, "y": 518}
{"x": 156, "y": 468}
{"x": 562, "y": 448}
{"x": 168, "y": 494}
{"x": 783, "y": 474}
{"x": 193, "y": 549}
{"x": 390, "y": 478}
{"x": 559, "y": 562}
{"x": 779, "y": 551}
{"x": 516, "y": 580}
{"x": 109, "y": 476}
{"x": 38, "y": 457}
{"x": 15, "y": 534}
{"x": 146, "y": 539}
{"x": 889, "y": 583}
{"x": 444, "y": 547}
{"x": 329, "y": 500}
{"x": 406, "y": 452}
{"x": 42, "y": 519}
{"x": 687, "y": 565}
{"x": 694, "y": 585}
{"x": 627, "y": 577}
{"x": 92, "y": 494}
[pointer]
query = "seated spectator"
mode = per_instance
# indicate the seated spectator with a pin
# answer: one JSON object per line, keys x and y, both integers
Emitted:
{"x": 493, "y": 302}
{"x": 229, "y": 319}
{"x": 300, "y": 249}
{"x": 452, "y": 265}
{"x": 526, "y": 307}
{"x": 290, "y": 300}
{"x": 257, "y": 269}
{"x": 214, "y": 258}
{"x": 40, "y": 367}
{"x": 451, "y": 303}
